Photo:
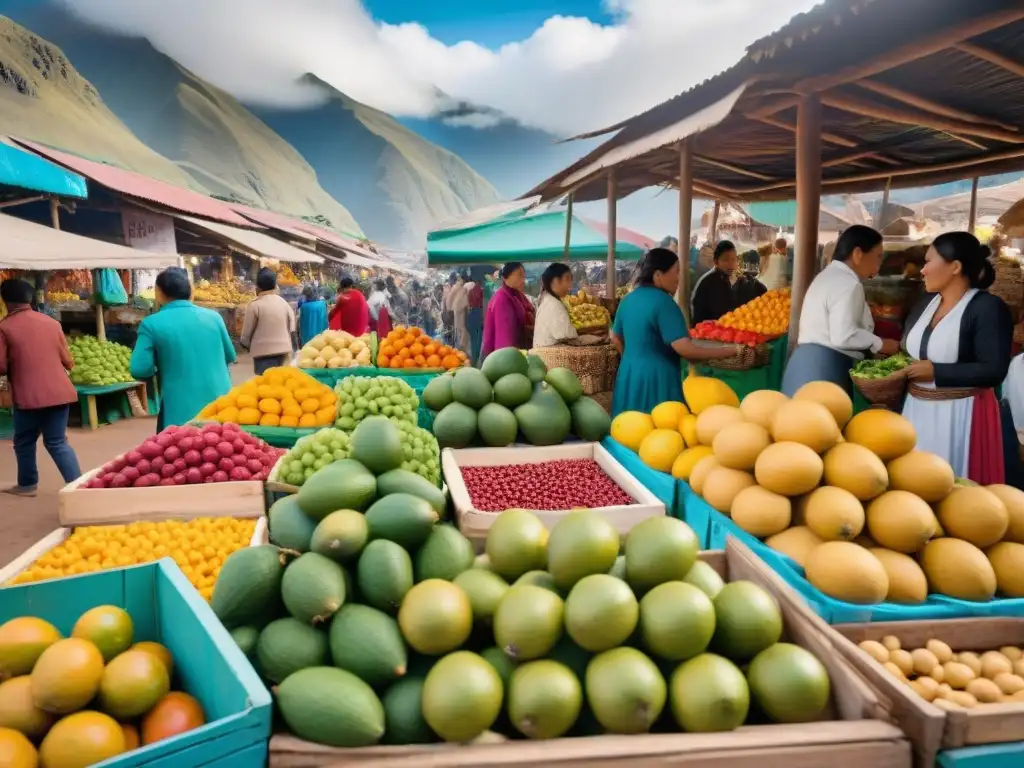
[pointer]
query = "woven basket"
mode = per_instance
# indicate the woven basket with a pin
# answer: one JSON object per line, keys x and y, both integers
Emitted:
{"x": 590, "y": 364}
{"x": 746, "y": 359}
{"x": 604, "y": 399}
{"x": 887, "y": 392}
{"x": 1009, "y": 286}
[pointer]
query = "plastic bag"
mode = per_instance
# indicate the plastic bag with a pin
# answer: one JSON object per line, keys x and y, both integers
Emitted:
{"x": 110, "y": 290}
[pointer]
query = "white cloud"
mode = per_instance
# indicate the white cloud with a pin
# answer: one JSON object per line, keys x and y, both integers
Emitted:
{"x": 570, "y": 75}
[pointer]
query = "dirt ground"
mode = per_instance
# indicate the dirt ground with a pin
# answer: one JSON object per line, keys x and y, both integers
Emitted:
{"x": 24, "y": 521}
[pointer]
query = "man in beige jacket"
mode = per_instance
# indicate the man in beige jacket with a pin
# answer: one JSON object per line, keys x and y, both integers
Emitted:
{"x": 268, "y": 331}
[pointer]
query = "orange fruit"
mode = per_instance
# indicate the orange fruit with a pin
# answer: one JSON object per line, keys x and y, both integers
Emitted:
{"x": 175, "y": 713}
{"x": 131, "y": 737}
{"x": 159, "y": 651}
{"x": 433, "y": 362}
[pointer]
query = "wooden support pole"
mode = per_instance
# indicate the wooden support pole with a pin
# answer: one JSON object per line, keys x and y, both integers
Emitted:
{"x": 882, "y": 217}
{"x": 54, "y": 213}
{"x": 685, "y": 218}
{"x": 613, "y": 190}
{"x": 568, "y": 228}
{"x": 713, "y": 229}
{"x": 972, "y": 216}
{"x": 808, "y": 204}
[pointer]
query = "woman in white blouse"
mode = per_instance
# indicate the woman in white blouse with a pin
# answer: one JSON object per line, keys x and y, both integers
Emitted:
{"x": 553, "y": 324}
{"x": 836, "y": 327}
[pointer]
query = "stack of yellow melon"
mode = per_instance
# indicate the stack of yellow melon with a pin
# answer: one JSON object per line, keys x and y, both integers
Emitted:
{"x": 335, "y": 349}
{"x": 869, "y": 518}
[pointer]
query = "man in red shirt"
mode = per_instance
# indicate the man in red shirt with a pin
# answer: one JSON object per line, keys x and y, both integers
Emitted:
{"x": 35, "y": 358}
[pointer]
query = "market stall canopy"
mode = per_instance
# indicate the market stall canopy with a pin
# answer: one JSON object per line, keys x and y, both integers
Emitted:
{"x": 254, "y": 243}
{"x": 992, "y": 201}
{"x": 27, "y": 245}
{"x": 507, "y": 209}
{"x": 19, "y": 168}
{"x": 917, "y": 91}
{"x": 534, "y": 238}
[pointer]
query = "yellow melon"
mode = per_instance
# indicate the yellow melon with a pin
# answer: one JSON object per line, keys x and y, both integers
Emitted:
{"x": 722, "y": 485}
{"x": 688, "y": 429}
{"x": 922, "y": 473}
{"x": 796, "y": 543}
{"x": 957, "y": 568}
{"x": 713, "y": 420}
{"x": 788, "y": 469}
{"x": 702, "y": 392}
{"x": 856, "y": 469}
{"x": 660, "y": 449}
{"x": 833, "y": 514}
{"x": 1013, "y": 500}
{"x": 630, "y": 428}
{"x": 832, "y": 396}
{"x": 888, "y": 435}
{"x": 805, "y": 422}
{"x": 686, "y": 461}
{"x": 737, "y": 446}
{"x": 901, "y": 521}
{"x": 760, "y": 512}
{"x": 700, "y": 473}
{"x": 667, "y": 415}
{"x": 974, "y": 514}
{"x": 907, "y": 582}
{"x": 759, "y": 407}
{"x": 1007, "y": 558}
{"x": 847, "y": 572}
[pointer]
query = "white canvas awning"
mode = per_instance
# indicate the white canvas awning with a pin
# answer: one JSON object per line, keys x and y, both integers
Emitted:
{"x": 27, "y": 245}
{"x": 255, "y": 244}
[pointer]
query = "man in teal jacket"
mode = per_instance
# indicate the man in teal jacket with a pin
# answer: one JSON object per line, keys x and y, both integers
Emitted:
{"x": 187, "y": 347}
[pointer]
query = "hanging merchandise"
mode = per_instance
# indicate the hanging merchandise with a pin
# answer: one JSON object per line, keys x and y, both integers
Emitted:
{"x": 110, "y": 290}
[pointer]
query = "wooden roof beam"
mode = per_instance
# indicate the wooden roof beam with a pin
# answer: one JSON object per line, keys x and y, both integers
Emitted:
{"x": 866, "y": 107}
{"x": 1011, "y": 66}
{"x": 920, "y": 102}
{"x": 734, "y": 168}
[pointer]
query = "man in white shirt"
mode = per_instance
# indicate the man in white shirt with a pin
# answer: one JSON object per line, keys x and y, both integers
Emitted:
{"x": 836, "y": 327}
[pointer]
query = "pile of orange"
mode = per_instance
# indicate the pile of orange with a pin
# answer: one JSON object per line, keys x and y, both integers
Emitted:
{"x": 767, "y": 314}
{"x": 410, "y": 347}
{"x": 281, "y": 397}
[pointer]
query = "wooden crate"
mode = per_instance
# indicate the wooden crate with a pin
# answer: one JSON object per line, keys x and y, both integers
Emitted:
{"x": 852, "y": 734}
{"x": 54, "y": 538}
{"x": 100, "y": 506}
{"x": 475, "y": 524}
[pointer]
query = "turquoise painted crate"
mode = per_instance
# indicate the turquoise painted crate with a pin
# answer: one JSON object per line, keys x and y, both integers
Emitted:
{"x": 208, "y": 664}
{"x": 831, "y": 610}
{"x": 662, "y": 485}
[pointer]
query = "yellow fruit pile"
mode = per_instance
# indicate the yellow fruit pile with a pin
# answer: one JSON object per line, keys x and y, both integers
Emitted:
{"x": 589, "y": 316}
{"x": 848, "y": 498}
{"x": 335, "y": 349}
{"x": 281, "y": 397}
{"x": 227, "y": 292}
{"x": 61, "y": 297}
{"x": 767, "y": 314}
{"x": 199, "y": 547}
{"x": 953, "y": 680}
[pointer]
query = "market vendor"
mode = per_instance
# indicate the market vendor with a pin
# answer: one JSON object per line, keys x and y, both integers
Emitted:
{"x": 651, "y": 336}
{"x": 713, "y": 295}
{"x": 836, "y": 328}
{"x": 350, "y": 312}
{"x": 312, "y": 312}
{"x": 509, "y": 319}
{"x": 554, "y": 325}
{"x": 186, "y": 347}
{"x": 960, "y": 336}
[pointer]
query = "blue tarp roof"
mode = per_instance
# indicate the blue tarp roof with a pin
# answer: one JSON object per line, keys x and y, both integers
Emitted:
{"x": 19, "y": 168}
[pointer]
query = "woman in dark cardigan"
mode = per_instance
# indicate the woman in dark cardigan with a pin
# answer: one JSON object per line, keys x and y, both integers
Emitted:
{"x": 960, "y": 337}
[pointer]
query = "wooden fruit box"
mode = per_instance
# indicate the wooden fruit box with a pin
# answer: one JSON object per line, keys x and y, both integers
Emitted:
{"x": 474, "y": 524}
{"x": 78, "y": 505}
{"x": 848, "y": 736}
{"x": 59, "y": 536}
{"x": 930, "y": 728}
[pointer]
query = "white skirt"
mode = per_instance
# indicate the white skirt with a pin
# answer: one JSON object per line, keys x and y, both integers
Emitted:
{"x": 944, "y": 428}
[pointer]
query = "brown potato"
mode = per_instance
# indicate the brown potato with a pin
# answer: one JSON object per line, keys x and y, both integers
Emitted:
{"x": 937, "y": 674}
{"x": 994, "y": 663}
{"x": 895, "y": 671}
{"x": 903, "y": 660}
{"x": 921, "y": 690}
{"x": 1012, "y": 652}
{"x": 984, "y": 690}
{"x": 891, "y": 642}
{"x": 957, "y": 674}
{"x": 1018, "y": 667}
{"x": 963, "y": 699}
{"x": 971, "y": 660}
{"x": 942, "y": 651}
{"x": 924, "y": 661}
{"x": 875, "y": 650}
{"x": 1009, "y": 683}
{"x": 928, "y": 684}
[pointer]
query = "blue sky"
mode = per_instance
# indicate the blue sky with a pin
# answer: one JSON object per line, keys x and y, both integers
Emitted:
{"x": 490, "y": 23}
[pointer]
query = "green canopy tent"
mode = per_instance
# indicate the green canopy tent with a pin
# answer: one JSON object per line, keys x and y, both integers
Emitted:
{"x": 532, "y": 238}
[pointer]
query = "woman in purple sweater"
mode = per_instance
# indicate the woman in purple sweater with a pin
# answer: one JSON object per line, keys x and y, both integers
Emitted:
{"x": 509, "y": 318}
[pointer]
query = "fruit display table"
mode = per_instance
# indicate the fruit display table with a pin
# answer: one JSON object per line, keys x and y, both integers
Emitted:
{"x": 208, "y": 664}
{"x": 417, "y": 378}
{"x": 114, "y": 401}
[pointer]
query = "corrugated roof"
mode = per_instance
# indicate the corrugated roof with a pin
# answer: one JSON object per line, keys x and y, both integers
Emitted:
{"x": 19, "y": 168}
{"x": 27, "y": 245}
{"x": 806, "y": 25}
{"x": 255, "y": 243}
{"x": 142, "y": 187}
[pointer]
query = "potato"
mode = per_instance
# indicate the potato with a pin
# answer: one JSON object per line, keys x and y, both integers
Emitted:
{"x": 891, "y": 642}
{"x": 1018, "y": 667}
{"x": 924, "y": 661}
{"x": 941, "y": 651}
{"x": 946, "y": 704}
{"x": 984, "y": 690}
{"x": 1018, "y": 696}
{"x": 944, "y": 690}
{"x": 971, "y": 660}
{"x": 1009, "y": 683}
{"x": 994, "y": 663}
{"x": 875, "y": 650}
{"x": 963, "y": 699}
{"x": 929, "y": 685}
{"x": 1012, "y": 652}
{"x": 938, "y": 674}
{"x": 957, "y": 674}
{"x": 903, "y": 660}
{"x": 925, "y": 693}
{"x": 895, "y": 671}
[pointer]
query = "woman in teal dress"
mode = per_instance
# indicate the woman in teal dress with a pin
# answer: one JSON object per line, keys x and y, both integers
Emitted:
{"x": 312, "y": 311}
{"x": 651, "y": 335}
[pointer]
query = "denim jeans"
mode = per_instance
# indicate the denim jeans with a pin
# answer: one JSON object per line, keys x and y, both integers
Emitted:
{"x": 52, "y": 424}
{"x": 260, "y": 365}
